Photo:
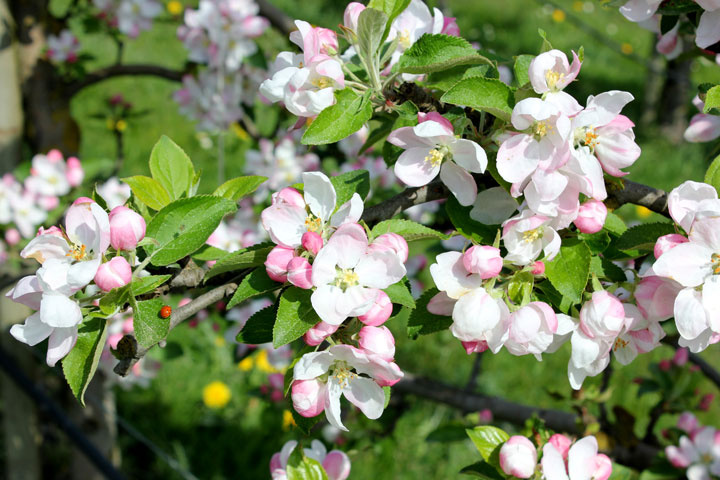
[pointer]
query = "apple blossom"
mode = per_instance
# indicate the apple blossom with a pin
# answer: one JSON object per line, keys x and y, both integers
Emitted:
{"x": 308, "y": 397}
{"x": 292, "y": 214}
{"x": 483, "y": 260}
{"x": 687, "y": 422}
{"x": 348, "y": 275}
{"x": 114, "y": 192}
{"x": 63, "y": 47}
{"x": 518, "y": 457}
{"x": 113, "y": 274}
{"x": 699, "y": 454}
{"x": 74, "y": 173}
{"x": 431, "y": 148}
{"x": 708, "y": 30}
{"x": 343, "y": 366}
{"x": 527, "y": 235}
{"x": 561, "y": 443}
{"x": 379, "y": 312}
{"x": 277, "y": 262}
{"x": 299, "y": 272}
{"x": 666, "y": 242}
{"x": 703, "y": 128}
{"x": 127, "y": 228}
{"x": 312, "y": 242}
{"x": 211, "y": 98}
{"x": 538, "y": 268}
{"x": 351, "y": 15}
{"x": 591, "y": 217}
{"x": 378, "y": 341}
{"x": 550, "y": 72}
{"x": 12, "y": 236}
{"x": 48, "y": 175}
{"x": 317, "y": 334}
{"x": 531, "y": 329}
{"x": 655, "y": 297}
{"x": 391, "y": 242}
{"x": 641, "y": 335}
{"x": 583, "y": 462}
{"x": 691, "y": 200}
{"x": 335, "y": 463}
{"x": 282, "y": 162}
{"x": 639, "y": 10}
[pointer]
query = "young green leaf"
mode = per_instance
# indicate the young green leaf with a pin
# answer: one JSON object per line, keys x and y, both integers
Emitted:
{"x": 341, "y": 120}
{"x": 486, "y": 439}
{"x": 422, "y": 322}
{"x": 486, "y": 94}
{"x": 644, "y": 236}
{"x": 295, "y": 316}
{"x": 259, "y": 327}
{"x": 184, "y": 226}
{"x": 370, "y": 33}
{"x": 712, "y": 176}
{"x": 712, "y": 101}
{"x": 148, "y": 191}
{"x": 239, "y": 187}
{"x": 439, "y": 52}
{"x": 569, "y": 270}
{"x": 355, "y": 181}
{"x": 80, "y": 364}
{"x": 149, "y": 327}
{"x": 521, "y": 67}
{"x": 408, "y": 229}
{"x": 253, "y": 256}
{"x": 391, "y": 8}
{"x": 399, "y": 293}
{"x": 170, "y": 165}
{"x": 255, "y": 283}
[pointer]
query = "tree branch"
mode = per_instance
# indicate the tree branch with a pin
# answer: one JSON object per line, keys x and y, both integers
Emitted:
{"x": 177, "y": 317}
{"x": 277, "y": 17}
{"x": 409, "y": 197}
{"x": 120, "y": 70}
{"x": 637, "y": 194}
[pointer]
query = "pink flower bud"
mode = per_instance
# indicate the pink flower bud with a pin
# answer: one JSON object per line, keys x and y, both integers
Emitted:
{"x": 308, "y": 397}
{"x": 277, "y": 262}
{"x": 113, "y": 274}
{"x": 450, "y": 27}
{"x": 379, "y": 312}
{"x": 54, "y": 156}
{"x": 336, "y": 465}
{"x": 49, "y": 202}
{"x": 50, "y": 231}
{"x": 538, "y": 268}
{"x": 655, "y": 297}
{"x": 300, "y": 272}
{"x": 561, "y": 444}
{"x": 681, "y": 357}
{"x": 352, "y": 14}
{"x": 475, "y": 347}
{"x": 317, "y": 334}
{"x": 668, "y": 242}
{"x": 485, "y": 415}
{"x": 687, "y": 422}
{"x": 127, "y": 228}
{"x": 12, "y": 236}
{"x": 484, "y": 260}
{"x": 603, "y": 467}
{"x": 518, "y": 457}
{"x": 706, "y": 402}
{"x": 391, "y": 242}
{"x": 81, "y": 200}
{"x": 377, "y": 340}
{"x": 665, "y": 365}
{"x": 677, "y": 457}
{"x": 290, "y": 196}
{"x": 591, "y": 216}
{"x": 312, "y": 242}
{"x": 74, "y": 172}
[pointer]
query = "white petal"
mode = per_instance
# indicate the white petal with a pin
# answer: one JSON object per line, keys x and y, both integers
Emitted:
{"x": 319, "y": 194}
{"x": 581, "y": 465}
{"x": 324, "y": 300}
{"x": 59, "y": 311}
{"x": 469, "y": 155}
{"x": 690, "y": 316}
{"x": 62, "y": 340}
{"x": 412, "y": 169}
{"x": 460, "y": 183}
{"x": 349, "y": 212}
{"x": 312, "y": 365}
{"x": 332, "y": 404}
{"x": 367, "y": 395}
{"x": 32, "y": 332}
{"x": 688, "y": 264}
{"x": 553, "y": 465}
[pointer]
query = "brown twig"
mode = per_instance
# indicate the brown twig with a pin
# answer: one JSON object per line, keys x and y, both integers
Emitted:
{"x": 409, "y": 197}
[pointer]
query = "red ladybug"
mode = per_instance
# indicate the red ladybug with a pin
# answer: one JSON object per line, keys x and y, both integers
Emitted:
{"x": 165, "y": 311}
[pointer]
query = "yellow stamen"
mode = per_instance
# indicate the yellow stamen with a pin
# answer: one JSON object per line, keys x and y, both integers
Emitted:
{"x": 619, "y": 343}
{"x": 346, "y": 278}
{"x": 344, "y": 375}
{"x": 322, "y": 82}
{"x": 540, "y": 129}
{"x": 532, "y": 235}
{"x": 435, "y": 157}
{"x": 552, "y": 78}
{"x": 404, "y": 39}
{"x": 313, "y": 224}
{"x": 591, "y": 139}
{"x": 77, "y": 252}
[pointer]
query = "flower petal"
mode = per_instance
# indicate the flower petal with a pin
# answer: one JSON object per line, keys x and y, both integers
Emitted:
{"x": 460, "y": 183}
{"x": 33, "y": 331}
{"x": 319, "y": 194}
{"x": 367, "y": 395}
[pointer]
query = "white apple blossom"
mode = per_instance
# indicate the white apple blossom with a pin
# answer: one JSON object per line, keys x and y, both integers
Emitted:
{"x": 63, "y": 47}
{"x": 282, "y": 162}
{"x": 48, "y": 175}
{"x": 550, "y": 72}
{"x": 351, "y": 373}
{"x": 640, "y": 10}
{"x": 348, "y": 274}
{"x": 708, "y": 30}
{"x": 431, "y": 148}
{"x": 531, "y": 329}
{"x": 212, "y": 99}
{"x": 114, "y": 192}
{"x": 699, "y": 454}
{"x": 527, "y": 235}
{"x": 581, "y": 462}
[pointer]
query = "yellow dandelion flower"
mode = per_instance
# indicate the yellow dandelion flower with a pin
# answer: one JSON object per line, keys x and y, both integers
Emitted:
{"x": 262, "y": 363}
{"x": 578, "y": 6}
{"x": 642, "y": 212}
{"x": 219, "y": 342}
{"x": 120, "y": 125}
{"x": 626, "y": 48}
{"x": 288, "y": 420}
{"x": 246, "y": 364}
{"x": 216, "y": 394}
{"x": 174, "y": 7}
{"x": 558, "y": 16}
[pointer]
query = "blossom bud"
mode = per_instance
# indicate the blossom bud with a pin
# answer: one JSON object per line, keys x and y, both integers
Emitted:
{"x": 289, "y": 196}
{"x": 665, "y": 365}
{"x": 299, "y": 272}
{"x": 391, "y": 242}
{"x": 603, "y": 315}
{"x": 74, "y": 172}
{"x": 681, "y": 357}
{"x": 50, "y": 231}
{"x": 687, "y": 422}
{"x": 475, "y": 347}
{"x": 352, "y": 14}
{"x": 49, "y": 202}
{"x": 668, "y": 242}
{"x": 377, "y": 340}
{"x": 485, "y": 415}
{"x": 337, "y": 465}
{"x": 312, "y": 242}
{"x": 54, "y": 156}
{"x": 12, "y": 236}
{"x": 308, "y": 397}
{"x": 379, "y": 312}
{"x": 81, "y": 200}
{"x": 450, "y": 27}
{"x": 655, "y": 297}
{"x": 677, "y": 457}
{"x": 706, "y": 402}
{"x": 561, "y": 444}
{"x": 127, "y": 228}
{"x": 317, "y": 334}
{"x": 538, "y": 268}
{"x": 518, "y": 457}
{"x": 603, "y": 467}
{"x": 591, "y": 216}
{"x": 484, "y": 260}
{"x": 113, "y": 274}
{"x": 277, "y": 262}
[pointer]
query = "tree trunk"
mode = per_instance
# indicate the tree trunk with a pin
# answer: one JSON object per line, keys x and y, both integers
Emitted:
{"x": 11, "y": 114}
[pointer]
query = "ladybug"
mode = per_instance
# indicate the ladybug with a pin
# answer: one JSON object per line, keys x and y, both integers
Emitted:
{"x": 165, "y": 311}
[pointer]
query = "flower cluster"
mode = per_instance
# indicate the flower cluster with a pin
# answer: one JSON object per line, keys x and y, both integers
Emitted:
{"x": 211, "y": 98}
{"x": 130, "y": 17}
{"x": 70, "y": 259}
{"x": 335, "y": 463}
{"x": 62, "y": 48}
{"x": 699, "y": 450}
{"x": 282, "y": 162}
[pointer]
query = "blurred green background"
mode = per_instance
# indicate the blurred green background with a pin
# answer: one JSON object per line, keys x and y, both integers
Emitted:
{"x": 237, "y": 441}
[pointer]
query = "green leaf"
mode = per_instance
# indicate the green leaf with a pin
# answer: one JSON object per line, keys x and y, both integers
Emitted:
{"x": 604, "y": 268}
{"x": 391, "y": 8}
{"x": 356, "y": 181}
{"x": 486, "y": 439}
{"x": 239, "y": 187}
{"x": 399, "y": 293}
{"x": 520, "y": 287}
{"x": 255, "y": 283}
{"x": 644, "y": 236}
{"x": 80, "y": 364}
{"x": 170, "y": 165}
{"x": 422, "y": 322}
{"x": 149, "y": 327}
{"x": 246, "y": 258}
{"x": 486, "y": 94}
{"x": 569, "y": 270}
{"x": 341, "y": 120}
{"x": 446, "y": 79}
{"x": 295, "y": 316}
{"x": 482, "y": 470}
{"x": 371, "y": 34}
{"x": 259, "y": 327}
{"x": 712, "y": 176}
{"x": 148, "y": 191}
{"x": 712, "y": 101}
{"x": 208, "y": 253}
{"x": 521, "y": 67}
{"x": 407, "y": 229}
{"x": 435, "y": 53}
{"x": 614, "y": 224}
{"x": 621, "y": 472}
{"x": 184, "y": 226}
{"x": 117, "y": 297}
{"x": 466, "y": 226}
{"x": 147, "y": 284}
{"x": 308, "y": 469}
{"x": 678, "y": 7}
{"x": 597, "y": 242}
